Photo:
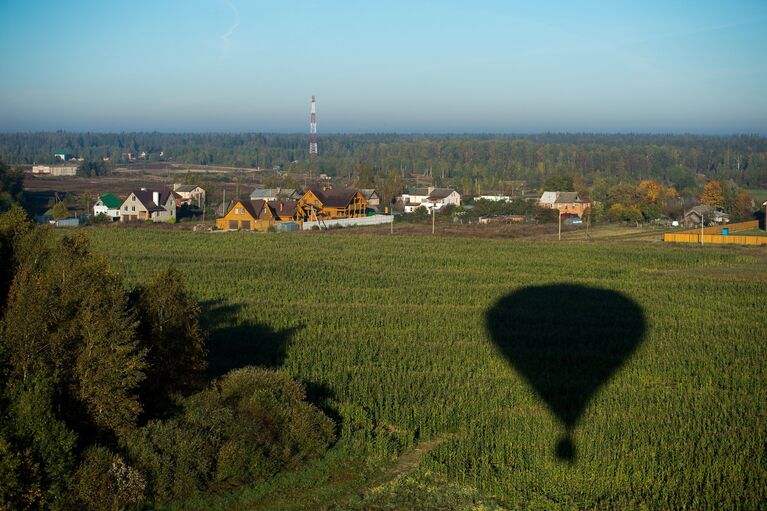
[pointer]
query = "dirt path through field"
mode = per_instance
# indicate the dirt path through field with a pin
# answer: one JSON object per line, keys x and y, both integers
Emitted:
{"x": 410, "y": 460}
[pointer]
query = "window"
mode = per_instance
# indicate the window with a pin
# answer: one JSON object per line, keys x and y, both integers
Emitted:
{"x": 133, "y": 208}
{"x": 126, "y": 208}
{"x": 132, "y": 197}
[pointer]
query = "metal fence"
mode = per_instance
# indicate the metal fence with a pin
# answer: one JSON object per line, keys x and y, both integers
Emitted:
{"x": 348, "y": 222}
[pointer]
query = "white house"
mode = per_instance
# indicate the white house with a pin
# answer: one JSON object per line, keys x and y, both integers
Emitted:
{"x": 108, "y": 205}
{"x": 156, "y": 205}
{"x": 430, "y": 198}
{"x": 192, "y": 195}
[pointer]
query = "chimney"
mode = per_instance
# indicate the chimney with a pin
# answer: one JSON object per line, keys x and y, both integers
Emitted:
{"x": 156, "y": 198}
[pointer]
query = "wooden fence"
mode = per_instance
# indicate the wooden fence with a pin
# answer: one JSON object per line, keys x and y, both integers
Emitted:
{"x": 714, "y": 235}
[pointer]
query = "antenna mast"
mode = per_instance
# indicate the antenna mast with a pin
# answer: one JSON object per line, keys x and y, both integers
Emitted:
{"x": 313, "y": 131}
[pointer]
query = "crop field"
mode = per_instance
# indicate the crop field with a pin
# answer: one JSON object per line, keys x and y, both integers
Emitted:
{"x": 504, "y": 373}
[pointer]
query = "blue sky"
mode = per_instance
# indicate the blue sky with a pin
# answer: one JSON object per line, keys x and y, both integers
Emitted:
{"x": 388, "y": 66}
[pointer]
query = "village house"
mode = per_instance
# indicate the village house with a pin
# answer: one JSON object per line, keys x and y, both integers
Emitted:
{"x": 374, "y": 200}
{"x": 191, "y": 195}
{"x": 706, "y": 214}
{"x": 273, "y": 194}
{"x": 257, "y": 215}
{"x": 108, "y": 205}
{"x": 332, "y": 203}
{"x": 157, "y": 205}
{"x": 430, "y": 198}
{"x": 568, "y": 203}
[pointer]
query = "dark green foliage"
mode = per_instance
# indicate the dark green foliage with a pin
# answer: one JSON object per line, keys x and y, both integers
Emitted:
{"x": 246, "y": 427}
{"x": 93, "y": 168}
{"x": 563, "y": 183}
{"x": 13, "y": 225}
{"x": 68, "y": 315}
{"x": 104, "y": 482}
{"x": 170, "y": 332}
{"x": 11, "y": 186}
{"x": 38, "y": 451}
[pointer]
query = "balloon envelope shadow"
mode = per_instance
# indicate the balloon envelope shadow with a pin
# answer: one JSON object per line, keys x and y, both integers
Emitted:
{"x": 566, "y": 341}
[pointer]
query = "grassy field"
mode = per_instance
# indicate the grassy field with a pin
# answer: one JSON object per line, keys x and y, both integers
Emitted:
{"x": 415, "y": 341}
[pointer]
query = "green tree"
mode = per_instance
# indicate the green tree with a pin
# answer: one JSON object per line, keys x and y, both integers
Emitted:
{"x": 67, "y": 316}
{"x": 60, "y": 211}
{"x": 170, "y": 332}
{"x": 11, "y": 186}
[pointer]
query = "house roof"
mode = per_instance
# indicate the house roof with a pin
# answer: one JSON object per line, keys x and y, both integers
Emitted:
{"x": 111, "y": 201}
{"x": 440, "y": 193}
{"x": 705, "y": 209}
{"x": 265, "y": 193}
{"x": 283, "y": 208}
{"x": 334, "y": 197}
{"x": 368, "y": 192}
{"x": 186, "y": 188}
{"x": 568, "y": 197}
{"x": 145, "y": 197}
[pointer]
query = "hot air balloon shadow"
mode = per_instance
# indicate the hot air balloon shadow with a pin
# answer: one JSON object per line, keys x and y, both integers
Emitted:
{"x": 566, "y": 341}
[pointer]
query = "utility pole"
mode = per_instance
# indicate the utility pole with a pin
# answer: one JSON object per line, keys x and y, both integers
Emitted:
{"x": 701, "y": 228}
{"x": 559, "y": 216}
{"x": 433, "y": 219}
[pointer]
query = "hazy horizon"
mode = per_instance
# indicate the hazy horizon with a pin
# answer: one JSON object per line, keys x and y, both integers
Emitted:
{"x": 228, "y": 66}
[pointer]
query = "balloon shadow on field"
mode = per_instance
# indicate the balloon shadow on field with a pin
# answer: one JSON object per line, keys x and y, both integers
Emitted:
{"x": 233, "y": 344}
{"x": 567, "y": 341}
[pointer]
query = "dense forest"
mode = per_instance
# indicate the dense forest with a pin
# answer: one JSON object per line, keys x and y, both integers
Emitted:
{"x": 493, "y": 160}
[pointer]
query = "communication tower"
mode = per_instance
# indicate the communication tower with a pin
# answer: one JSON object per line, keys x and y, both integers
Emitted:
{"x": 313, "y": 130}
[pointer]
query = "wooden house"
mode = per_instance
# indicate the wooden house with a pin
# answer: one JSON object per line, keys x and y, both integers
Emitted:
{"x": 331, "y": 204}
{"x": 257, "y": 215}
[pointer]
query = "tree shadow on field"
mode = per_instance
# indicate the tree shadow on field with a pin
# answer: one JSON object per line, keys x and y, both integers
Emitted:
{"x": 233, "y": 344}
{"x": 566, "y": 341}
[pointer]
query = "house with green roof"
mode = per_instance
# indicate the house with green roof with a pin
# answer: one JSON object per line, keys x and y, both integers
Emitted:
{"x": 109, "y": 205}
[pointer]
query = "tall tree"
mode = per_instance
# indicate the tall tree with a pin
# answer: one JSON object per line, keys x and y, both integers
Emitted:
{"x": 713, "y": 194}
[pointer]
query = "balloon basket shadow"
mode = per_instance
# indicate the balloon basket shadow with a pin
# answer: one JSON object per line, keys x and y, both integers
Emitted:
{"x": 565, "y": 450}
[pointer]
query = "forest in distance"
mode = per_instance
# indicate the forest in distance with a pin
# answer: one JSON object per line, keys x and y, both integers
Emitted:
{"x": 448, "y": 159}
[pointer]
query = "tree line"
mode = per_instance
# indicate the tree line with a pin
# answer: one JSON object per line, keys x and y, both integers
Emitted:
{"x": 494, "y": 160}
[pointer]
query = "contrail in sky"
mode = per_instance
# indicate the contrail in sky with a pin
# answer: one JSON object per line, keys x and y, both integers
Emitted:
{"x": 225, "y": 42}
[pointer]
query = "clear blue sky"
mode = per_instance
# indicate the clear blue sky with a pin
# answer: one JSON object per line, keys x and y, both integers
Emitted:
{"x": 386, "y": 66}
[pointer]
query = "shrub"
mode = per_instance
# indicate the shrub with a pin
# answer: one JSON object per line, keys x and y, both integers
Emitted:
{"x": 172, "y": 220}
{"x": 104, "y": 482}
{"x": 246, "y": 427}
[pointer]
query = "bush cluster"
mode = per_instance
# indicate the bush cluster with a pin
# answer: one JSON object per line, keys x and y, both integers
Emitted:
{"x": 104, "y": 402}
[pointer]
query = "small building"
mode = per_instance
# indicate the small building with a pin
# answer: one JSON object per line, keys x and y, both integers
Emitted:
{"x": 374, "y": 200}
{"x": 273, "y": 194}
{"x": 709, "y": 215}
{"x": 62, "y": 155}
{"x": 568, "y": 203}
{"x": 54, "y": 170}
{"x": 157, "y": 205}
{"x": 257, "y": 215}
{"x": 430, "y": 198}
{"x": 108, "y": 205}
{"x": 332, "y": 203}
{"x": 191, "y": 195}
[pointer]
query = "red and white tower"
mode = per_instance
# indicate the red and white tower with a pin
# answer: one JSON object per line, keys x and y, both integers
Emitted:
{"x": 313, "y": 130}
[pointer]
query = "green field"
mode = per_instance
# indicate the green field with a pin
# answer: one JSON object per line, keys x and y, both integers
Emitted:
{"x": 390, "y": 336}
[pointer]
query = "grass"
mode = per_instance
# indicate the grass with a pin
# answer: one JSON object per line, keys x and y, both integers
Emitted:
{"x": 751, "y": 232}
{"x": 389, "y": 334}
